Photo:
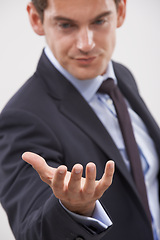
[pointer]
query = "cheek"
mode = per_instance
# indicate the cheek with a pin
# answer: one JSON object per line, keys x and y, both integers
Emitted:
{"x": 56, "y": 47}
{"x": 109, "y": 41}
{"x": 61, "y": 47}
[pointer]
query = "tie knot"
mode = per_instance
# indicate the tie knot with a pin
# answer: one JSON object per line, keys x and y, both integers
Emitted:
{"x": 107, "y": 86}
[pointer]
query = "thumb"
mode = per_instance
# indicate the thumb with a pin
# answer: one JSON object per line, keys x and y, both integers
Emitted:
{"x": 39, "y": 164}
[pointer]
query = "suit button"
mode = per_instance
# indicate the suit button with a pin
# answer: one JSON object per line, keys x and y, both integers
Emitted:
{"x": 79, "y": 238}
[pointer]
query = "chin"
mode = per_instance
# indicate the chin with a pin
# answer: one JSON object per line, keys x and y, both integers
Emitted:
{"x": 85, "y": 74}
{"x": 85, "y": 77}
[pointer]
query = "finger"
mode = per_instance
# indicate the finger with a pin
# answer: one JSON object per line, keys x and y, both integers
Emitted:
{"x": 58, "y": 182}
{"x": 74, "y": 184}
{"x": 106, "y": 179}
{"x": 39, "y": 164}
{"x": 89, "y": 186}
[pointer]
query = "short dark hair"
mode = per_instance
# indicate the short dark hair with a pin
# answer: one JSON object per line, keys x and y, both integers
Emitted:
{"x": 40, "y": 6}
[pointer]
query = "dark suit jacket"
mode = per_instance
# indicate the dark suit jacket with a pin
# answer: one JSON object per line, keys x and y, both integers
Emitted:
{"x": 50, "y": 117}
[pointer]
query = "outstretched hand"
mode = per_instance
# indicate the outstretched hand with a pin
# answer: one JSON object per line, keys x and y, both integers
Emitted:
{"x": 76, "y": 193}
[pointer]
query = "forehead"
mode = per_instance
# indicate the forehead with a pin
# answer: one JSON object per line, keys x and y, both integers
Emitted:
{"x": 79, "y": 9}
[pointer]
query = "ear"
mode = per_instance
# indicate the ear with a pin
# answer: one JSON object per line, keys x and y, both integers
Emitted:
{"x": 121, "y": 12}
{"x": 35, "y": 19}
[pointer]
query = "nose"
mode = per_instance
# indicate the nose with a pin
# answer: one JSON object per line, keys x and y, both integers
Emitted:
{"x": 85, "y": 41}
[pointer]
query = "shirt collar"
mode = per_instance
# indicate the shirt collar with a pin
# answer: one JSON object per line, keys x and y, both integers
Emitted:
{"x": 88, "y": 87}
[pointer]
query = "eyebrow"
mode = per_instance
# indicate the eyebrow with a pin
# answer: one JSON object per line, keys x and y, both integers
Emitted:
{"x": 105, "y": 14}
{"x": 61, "y": 18}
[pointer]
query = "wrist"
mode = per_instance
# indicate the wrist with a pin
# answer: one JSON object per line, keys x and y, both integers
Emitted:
{"x": 84, "y": 210}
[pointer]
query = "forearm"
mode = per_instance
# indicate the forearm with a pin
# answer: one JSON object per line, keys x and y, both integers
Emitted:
{"x": 53, "y": 222}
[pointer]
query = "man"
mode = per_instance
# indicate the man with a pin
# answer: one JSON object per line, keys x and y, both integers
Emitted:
{"x": 60, "y": 115}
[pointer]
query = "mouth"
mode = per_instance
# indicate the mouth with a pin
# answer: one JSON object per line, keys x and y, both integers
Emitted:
{"x": 85, "y": 60}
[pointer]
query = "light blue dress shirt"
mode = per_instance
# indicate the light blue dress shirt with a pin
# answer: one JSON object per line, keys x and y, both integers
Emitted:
{"x": 104, "y": 109}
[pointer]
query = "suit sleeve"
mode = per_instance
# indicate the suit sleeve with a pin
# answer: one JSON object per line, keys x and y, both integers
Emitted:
{"x": 33, "y": 211}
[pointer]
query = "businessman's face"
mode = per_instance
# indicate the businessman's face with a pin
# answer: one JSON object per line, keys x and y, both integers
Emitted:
{"x": 82, "y": 33}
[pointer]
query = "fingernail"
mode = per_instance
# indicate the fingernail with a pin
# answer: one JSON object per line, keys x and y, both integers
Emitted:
{"x": 111, "y": 164}
{"x": 77, "y": 171}
{"x": 61, "y": 171}
{"x": 92, "y": 169}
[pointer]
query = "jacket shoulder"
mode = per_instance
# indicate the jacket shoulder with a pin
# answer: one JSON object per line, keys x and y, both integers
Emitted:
{"x": 124, "y": 74}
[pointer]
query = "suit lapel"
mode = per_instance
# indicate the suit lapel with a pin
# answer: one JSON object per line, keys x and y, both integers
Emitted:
{"x": 81, "y": 114}
{"x": 130, "y": 91}
{"x": 137, "y": 104}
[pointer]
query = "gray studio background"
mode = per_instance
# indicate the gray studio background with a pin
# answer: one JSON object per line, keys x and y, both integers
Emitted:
{"x": 138, "y": 47}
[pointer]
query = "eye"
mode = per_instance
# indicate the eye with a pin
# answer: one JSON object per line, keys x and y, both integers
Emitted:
{"x": 99, "y": 22}
{"x": 65, "y": 25}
